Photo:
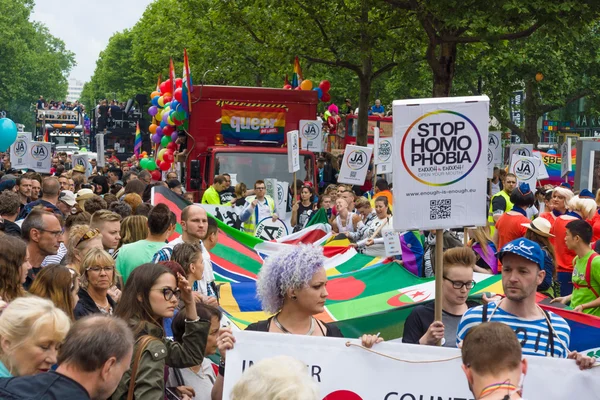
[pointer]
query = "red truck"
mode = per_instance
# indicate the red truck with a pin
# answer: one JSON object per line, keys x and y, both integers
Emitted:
{"x": 242, "y": 131}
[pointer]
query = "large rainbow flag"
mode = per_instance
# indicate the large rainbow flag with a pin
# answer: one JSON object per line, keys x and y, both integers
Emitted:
{"x": 552, "y": 162}
{"x": 366, "y": 294}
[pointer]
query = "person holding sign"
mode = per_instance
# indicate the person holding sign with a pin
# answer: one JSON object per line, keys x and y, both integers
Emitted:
{"x": 578, "y": 209}
{"x": 500, "y": 202}
{"x": 510, "y": 225}
{"x": 303, "y": 210}
{"x": 373, "y": 245}
{"x": 257, "y": 208}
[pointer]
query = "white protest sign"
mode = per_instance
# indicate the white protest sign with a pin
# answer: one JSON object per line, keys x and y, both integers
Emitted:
{"x": 311, "y": 136}
{"x": 355, "y": 165}
{"x": 542, "y": 172}
{"x": 267, "y": 229}
{"x": 440, "y": 162}
{"x": 293, "y": 152}
{"x": 271, "y": 186}
{"x": 566, "y": 163}
{"x": 40, "y": 157}
{"x": 373, "y": 376}
{"x": 494, "y": 152}
{"x": 521, "y": 150}
{"x": 281, "y": 199}
{"x": 383, "y": 153}
{"x": 526, "y": 169}
{"x": 82, "y": 160}
{"x": 230, "y": 215}
{"x": 391, "y": 240}
{"x": 19, "y": 151}
{"x": 100, "y": 150}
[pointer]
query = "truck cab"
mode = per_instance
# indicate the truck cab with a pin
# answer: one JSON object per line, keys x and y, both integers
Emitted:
{"x": 241, "y": 131}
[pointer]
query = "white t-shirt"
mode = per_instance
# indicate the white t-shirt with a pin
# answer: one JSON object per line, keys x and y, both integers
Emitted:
{"x": 202, "y": 382}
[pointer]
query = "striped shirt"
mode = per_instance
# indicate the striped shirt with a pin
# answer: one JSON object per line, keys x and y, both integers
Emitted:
{"x": 532, "y": 334}
{"x": 56, "y": 258}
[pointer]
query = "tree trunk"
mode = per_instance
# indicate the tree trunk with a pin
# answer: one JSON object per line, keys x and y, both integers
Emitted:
{"x": 443, "y": 68}
{"x": 531, "y": 111}
{"x": 363, "y": 110}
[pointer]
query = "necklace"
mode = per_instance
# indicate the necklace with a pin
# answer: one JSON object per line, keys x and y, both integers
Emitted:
{"x": 309, "y": 333}
{"x": 510, "y": 388}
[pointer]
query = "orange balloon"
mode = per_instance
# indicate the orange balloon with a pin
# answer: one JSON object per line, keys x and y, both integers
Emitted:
{"x": 152, "y": 128}
{"x": 154, "y": 94}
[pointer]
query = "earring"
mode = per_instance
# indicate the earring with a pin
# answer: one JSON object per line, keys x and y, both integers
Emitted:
{"x": 294, "y": 298}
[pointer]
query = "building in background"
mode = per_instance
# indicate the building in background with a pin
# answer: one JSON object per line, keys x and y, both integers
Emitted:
{"x": 74, "y": 90}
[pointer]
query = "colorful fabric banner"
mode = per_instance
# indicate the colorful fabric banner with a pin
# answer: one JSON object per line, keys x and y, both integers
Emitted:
{"x": 137, "y": 147}
{"x": 188, "y": 86}
{"x": 252, "y": 123}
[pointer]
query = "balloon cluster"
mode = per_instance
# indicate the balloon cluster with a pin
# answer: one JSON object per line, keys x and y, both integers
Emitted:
{"x": 322, "y": 90}
{"x": 8, "y": 133}
{"x": 168, "y": 113}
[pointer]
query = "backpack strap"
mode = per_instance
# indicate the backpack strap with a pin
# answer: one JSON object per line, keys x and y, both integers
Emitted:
{"x": 550, "y": 332}
{"x": 484, "y": 313}
{"x": 588, "y": 273}
{"x": 142, "y": 343}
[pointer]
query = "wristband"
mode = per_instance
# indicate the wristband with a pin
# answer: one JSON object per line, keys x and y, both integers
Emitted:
{"x": 222, "y": 367}
{"x": 192, "y": 320}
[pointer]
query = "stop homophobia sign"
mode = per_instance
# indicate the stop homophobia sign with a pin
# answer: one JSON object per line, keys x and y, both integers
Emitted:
{"x": 440, "y": 162}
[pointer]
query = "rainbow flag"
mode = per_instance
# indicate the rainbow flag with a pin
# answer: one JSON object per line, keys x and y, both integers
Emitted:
{"x": 172, "y": 75}
{"x": 137, "y": 147}
{"x": 553, "y": 166}
{"x": 297, "y": 76}
{"x": 188, "y": 86}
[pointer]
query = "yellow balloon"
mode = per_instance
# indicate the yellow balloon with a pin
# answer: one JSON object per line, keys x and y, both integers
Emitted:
{"x": 161, "y": 154}
{"x": 161, "y": 101}
{"x": 306, "y": 84}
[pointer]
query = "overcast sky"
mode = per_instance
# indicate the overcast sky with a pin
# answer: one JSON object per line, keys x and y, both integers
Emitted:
{"x": 86, "y": 25}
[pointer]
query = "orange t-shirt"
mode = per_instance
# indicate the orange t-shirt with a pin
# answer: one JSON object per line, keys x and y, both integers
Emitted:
{"x": 595, "y": 223}
{"x": 549, "y": 216}
{"x": 564, "y": 256}
{"x": 509, "y": 228}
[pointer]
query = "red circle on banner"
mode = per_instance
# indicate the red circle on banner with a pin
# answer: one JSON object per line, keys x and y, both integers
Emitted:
{"x": 345, "y": 288}
{"x": 342, "y": 395}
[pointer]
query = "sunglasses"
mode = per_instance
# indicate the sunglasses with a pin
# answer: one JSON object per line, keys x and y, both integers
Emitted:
{"x": 88, "y": 235}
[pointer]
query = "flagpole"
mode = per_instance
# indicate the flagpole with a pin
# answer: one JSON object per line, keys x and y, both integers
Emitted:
{"x": 439, "y": 271}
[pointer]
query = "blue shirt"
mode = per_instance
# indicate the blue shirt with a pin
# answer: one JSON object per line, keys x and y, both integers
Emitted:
{"x": 532, "y": 334}
{"x": 4, "y": 373}
{"x": 375, "y": 109}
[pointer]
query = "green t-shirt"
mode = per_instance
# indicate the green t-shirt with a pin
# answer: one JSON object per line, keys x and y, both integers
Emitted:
{"x": 133, "y": 255}
{"x": 584, "y": 295}
{"x": 211, "y": 196}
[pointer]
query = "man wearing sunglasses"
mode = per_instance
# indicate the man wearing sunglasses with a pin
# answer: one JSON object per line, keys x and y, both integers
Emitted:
{"x": 420, "y": 328}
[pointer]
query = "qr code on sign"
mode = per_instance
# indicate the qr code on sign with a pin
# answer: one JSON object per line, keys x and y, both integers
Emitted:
{"x": 352, "y": 174}
{"x": 440, "y": 209}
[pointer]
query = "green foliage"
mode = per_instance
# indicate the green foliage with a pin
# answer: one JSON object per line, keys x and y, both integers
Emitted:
{"x": 32, "y": 62}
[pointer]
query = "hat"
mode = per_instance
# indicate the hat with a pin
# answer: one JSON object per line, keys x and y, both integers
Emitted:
{"x": 586, "y": 194}
{"x": 8, "y": 177}
{"x": 173, "y": 183}
{"x": 524, "y": 188}
{"x": 566, "y": 185}
{"x": 84, "y": 194}
{"x": 79, "y": 168}
{"x": 541, "y": 226}
{"x": 67, "y": 197}
{"x": 523, "y": 248}
{"x": 7, "y": 184}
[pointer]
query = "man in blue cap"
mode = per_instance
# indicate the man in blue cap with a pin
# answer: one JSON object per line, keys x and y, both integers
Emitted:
{"x": 540, "y": 332}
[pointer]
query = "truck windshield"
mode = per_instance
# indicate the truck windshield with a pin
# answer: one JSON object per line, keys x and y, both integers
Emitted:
{"x": 250, "y": 167}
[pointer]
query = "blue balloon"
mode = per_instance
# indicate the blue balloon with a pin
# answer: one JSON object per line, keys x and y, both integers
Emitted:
{"x": 174, "y": 104}
{"x": 154, "y": 101}
{"x": 551, "y": 151}
{"x": 319, "y": 92}
{"x": 163, "y": 124}
{"x": 8, "y": 133}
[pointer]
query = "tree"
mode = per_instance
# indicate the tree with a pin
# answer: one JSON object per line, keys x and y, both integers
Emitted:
{"x": 449, "y": 24}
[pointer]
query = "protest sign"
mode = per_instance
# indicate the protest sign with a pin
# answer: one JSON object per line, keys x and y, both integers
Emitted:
{"x": 566, "y": 164}
{"x": 542, "y": 172}
{"x": 521, "y": 150}
{"x": 267, "y": 229}
{"x": 391, "y": 240}
{"x": 282, "y": 199}
{"x": 230, "y": 215}
{"x": 355, "y": 165}
{"x": 383, "y": 153}
{"x": 40, "y": 157}
{"x": 100, "y": 150}
{"x": 82, "y": 160}
{"x": 494, "y": 155}
{"x": 311, "y": 135}
{"x": 440, "y": 151}
{"x": 271, "y": 186}
{"x": 374, "y": 376}
{"x": 293, "y": 152}
{"x": 19, "y": 151}
{"x": 526, "y": 169}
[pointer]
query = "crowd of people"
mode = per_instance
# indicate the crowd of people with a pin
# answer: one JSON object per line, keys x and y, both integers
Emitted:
{"x": 59, "y": 105}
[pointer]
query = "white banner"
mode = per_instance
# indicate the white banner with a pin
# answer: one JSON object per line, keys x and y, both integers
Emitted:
{"x": 526, "y": 169}
{"x": 100, "y": 149}
{"x": 355, "y": 165}
{"x": 311, "y": 136}
{"x": 19, "y": 151}
{"x": 542, "y": 172}
{"x": 566, "y": 164}
{"x": 40, "y": 157}
{"x": 383, "y": 153}
{"x": 293, "y": 152}
{"x": 81, "y": 159}
{"x": 351, "y": 372}
{"x": 494, "y": 153}
{"x": 282, "y": 199}
{"x": 525, "y": 150}
{"x": 440, "y": 151}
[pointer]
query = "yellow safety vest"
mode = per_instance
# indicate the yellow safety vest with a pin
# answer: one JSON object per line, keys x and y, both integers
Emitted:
{"x": 250, "y": 224}
{"x": 509, "y": 206}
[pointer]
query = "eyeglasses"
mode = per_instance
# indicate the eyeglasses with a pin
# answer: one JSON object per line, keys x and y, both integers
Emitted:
{"x": 168, "y": 293}
{"x": 88, "y": 235}
{"x": 458, "y": 284}
{"x": 55, "y": 233}
{"x": 100, "y": 269}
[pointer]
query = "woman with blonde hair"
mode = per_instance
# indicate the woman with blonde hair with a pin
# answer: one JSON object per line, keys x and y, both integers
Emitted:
{"x": 97, "y": 277}
{"x": 59, "y": 284}
{"x": 595, "y": 220}
{"x": 133, "y": 228}
{"x": 485, "y": 250}
{"x": 81, "y": 240}
{"x": 240, "y": 195}
{"x": 14, "y": 262}
{"x": 560, "y": 198}
{"x": 31, "y": 330}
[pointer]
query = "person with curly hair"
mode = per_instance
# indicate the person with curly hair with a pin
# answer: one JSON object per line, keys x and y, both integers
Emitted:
{"x": 292, "y": 285}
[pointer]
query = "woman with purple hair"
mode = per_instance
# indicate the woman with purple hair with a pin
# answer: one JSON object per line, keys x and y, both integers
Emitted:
{"x": 292, "y": 285}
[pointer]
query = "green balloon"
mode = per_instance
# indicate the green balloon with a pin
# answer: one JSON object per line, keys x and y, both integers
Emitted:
{"x": 186, "y": 124}
{"x": 144, "y": 163}
{"x": 151, "y": 165}
{"x": 165, "y": 140}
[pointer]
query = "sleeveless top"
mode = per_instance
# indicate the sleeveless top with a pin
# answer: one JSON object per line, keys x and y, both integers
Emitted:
{"x": 349, "y": 227}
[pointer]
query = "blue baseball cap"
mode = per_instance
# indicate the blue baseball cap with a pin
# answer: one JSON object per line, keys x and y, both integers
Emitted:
{"x": 586, "y": 194}
{"x": 566, "y": 185}
{"x": 524, "y": 248}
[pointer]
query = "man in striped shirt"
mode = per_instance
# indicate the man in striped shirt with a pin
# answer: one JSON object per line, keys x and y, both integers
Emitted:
{"x": 540, "y": 333}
